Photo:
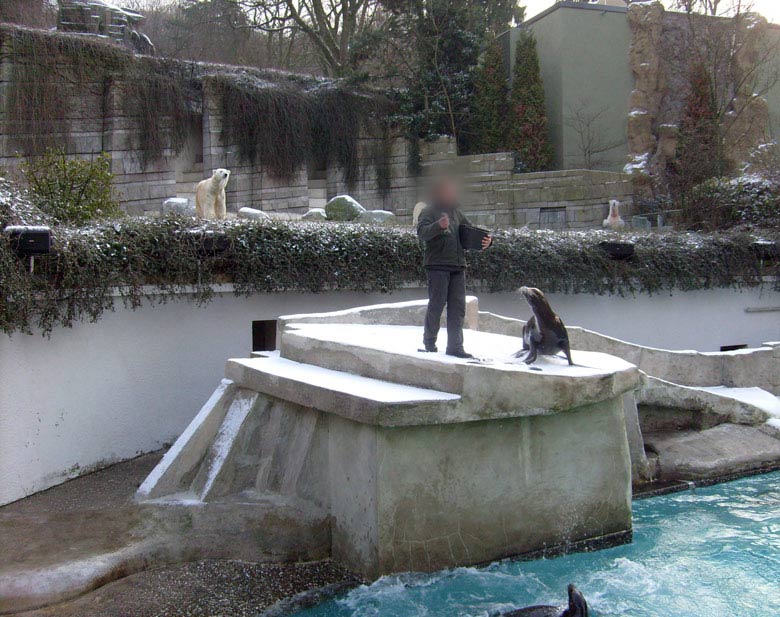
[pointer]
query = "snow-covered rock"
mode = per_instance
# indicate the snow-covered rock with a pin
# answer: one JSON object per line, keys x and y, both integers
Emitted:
{"x": 343, "y": 208}
{"x": 253, "y": 214}
{"x": 178, "y": 205}
{"x": 638, "y": 164}
{"x": 315, "y": 214}
{"x": 377, "y": 217}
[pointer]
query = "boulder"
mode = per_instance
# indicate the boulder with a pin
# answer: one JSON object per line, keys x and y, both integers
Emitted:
{"x": 315, "y": 214}
{"x": 178, "y": 205}
{"x": 343, "y": 208}
{"x": 253, "y": 214}
{"x": 376, "y": 217}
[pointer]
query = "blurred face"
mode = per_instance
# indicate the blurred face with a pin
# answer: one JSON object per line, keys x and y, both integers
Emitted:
{"x": 445, "y": 193}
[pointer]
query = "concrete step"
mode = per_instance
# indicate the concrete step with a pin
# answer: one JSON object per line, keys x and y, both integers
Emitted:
{"x": 352, "y": 396}
{"x": 711, "y": 404}
{"x": 718, "y": 452}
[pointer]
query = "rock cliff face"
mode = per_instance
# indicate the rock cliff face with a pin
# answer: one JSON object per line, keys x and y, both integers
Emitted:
{"x": 662, "y": 48}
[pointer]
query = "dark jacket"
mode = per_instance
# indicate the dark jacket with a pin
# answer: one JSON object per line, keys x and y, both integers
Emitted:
{"x": 443, "y": 250}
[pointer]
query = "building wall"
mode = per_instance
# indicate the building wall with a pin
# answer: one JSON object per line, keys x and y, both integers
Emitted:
{"x": 583, "y": 57}
{"x": 107, "y": 391}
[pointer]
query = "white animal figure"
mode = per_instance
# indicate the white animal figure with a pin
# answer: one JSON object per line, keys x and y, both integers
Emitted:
{"x": 416, "y": 212}
{"x": 613, "y": 221}
{"x": 210, "y": 195}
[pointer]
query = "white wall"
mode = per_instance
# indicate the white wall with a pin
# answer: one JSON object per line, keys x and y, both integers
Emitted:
{"x": 107, "y": 391}
{"x": 103, "y": 392}
{"x": 698, "y": 320}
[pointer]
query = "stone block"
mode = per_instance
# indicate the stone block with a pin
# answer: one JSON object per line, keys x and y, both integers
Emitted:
{"x": 178, "y": 205}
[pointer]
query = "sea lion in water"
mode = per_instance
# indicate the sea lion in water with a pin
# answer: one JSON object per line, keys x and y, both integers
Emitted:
{"x": 577, "y": 608}
{"x": 544, "y": 333}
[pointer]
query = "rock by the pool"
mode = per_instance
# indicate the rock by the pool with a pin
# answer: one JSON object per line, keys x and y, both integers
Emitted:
{"x": 253, "y": 214}
{"x": 178, "y": 205}
{"x": 377, "y": 217}
{"x": 315, "y": 214}
{"x": 343, "y": 208}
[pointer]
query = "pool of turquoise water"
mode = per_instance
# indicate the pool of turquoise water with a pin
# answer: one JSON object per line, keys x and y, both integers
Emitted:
{"x": 714, "y": 552}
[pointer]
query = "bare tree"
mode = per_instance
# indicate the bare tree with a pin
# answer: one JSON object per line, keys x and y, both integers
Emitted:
{"x": 331, "y": 26}
{"x": 592, "y": 141}
{"x": 742, "y": 63}
{"x": 708, "y": 7}
{"x": 36, "y": 13}
{"x": 220, "y": 31}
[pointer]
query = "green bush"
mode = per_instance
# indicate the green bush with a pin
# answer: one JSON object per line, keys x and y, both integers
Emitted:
{"x": 89, "y": 265}
{"x": 720, "y": 203}
{"x": 70, "y": 190}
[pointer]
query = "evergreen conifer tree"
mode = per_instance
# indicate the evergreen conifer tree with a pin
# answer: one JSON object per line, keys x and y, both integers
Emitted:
{"x": 489, "y": 113}
{"x": 528, "y": 132}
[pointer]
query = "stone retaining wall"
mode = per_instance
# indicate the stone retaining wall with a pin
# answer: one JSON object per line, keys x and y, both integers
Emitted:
{"x": 572, "y": 199}
{"x": 97, "y": 121}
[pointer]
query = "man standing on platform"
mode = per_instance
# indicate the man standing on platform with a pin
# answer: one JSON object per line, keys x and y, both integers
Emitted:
{"x": 445, "y": 264}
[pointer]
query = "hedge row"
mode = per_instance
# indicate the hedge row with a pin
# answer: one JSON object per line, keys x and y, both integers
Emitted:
{"x": 90, "y": 265}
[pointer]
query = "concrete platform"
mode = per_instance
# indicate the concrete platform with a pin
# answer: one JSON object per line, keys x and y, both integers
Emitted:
{"x": 422, "y": 461}
{"x": 489, "y": 390}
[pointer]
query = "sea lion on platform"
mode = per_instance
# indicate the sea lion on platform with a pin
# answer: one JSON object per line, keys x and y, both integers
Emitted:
{"x": 577, "y": 608}
{"x": 544, "y": 333}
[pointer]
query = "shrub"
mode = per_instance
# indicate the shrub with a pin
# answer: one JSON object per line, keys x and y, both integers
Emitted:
{"x": 16, "y": 207}
{"x": 720, "y": 203}
{"x": 71, "y": 190}
{"x": 764, "y": 162}
{"x": 89, "y": 265}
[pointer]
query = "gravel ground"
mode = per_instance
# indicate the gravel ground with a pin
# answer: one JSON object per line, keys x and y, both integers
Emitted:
{"x": 200, "y": 589}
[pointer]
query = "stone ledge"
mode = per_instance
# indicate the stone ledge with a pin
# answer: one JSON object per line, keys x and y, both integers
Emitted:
{"x": 362, "y": 399}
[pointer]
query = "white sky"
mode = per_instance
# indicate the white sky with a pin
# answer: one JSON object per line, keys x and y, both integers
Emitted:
{"x": 768, "y": 8}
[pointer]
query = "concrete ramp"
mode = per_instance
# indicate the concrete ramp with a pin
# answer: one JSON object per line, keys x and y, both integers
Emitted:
{"x": 750, "y": 406}
{"x": 257, "y": 432}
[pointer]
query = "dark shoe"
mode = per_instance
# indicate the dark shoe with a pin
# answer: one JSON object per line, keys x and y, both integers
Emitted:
{"x": 429, "y": 349}
{"x": 460, "y": 354}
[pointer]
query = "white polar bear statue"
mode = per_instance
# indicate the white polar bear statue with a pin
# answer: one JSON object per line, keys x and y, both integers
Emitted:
{"x": 210, "y": 195}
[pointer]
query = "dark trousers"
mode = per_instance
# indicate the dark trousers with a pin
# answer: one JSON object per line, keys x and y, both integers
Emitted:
{"x": 446, "y": 287}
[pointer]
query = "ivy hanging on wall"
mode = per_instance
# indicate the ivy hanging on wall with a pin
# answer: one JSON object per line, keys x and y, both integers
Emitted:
{"x": 279, "y": 120}
{"x": 314, "y": 122}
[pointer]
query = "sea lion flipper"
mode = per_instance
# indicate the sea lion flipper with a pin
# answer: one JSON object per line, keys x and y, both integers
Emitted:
{"x": 532, "y": 353}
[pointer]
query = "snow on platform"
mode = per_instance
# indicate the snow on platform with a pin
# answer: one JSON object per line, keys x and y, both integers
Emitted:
{"x": 757, "y": 397}
{"x": 344, "y": 383}
{"x": 494, "y": 351}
